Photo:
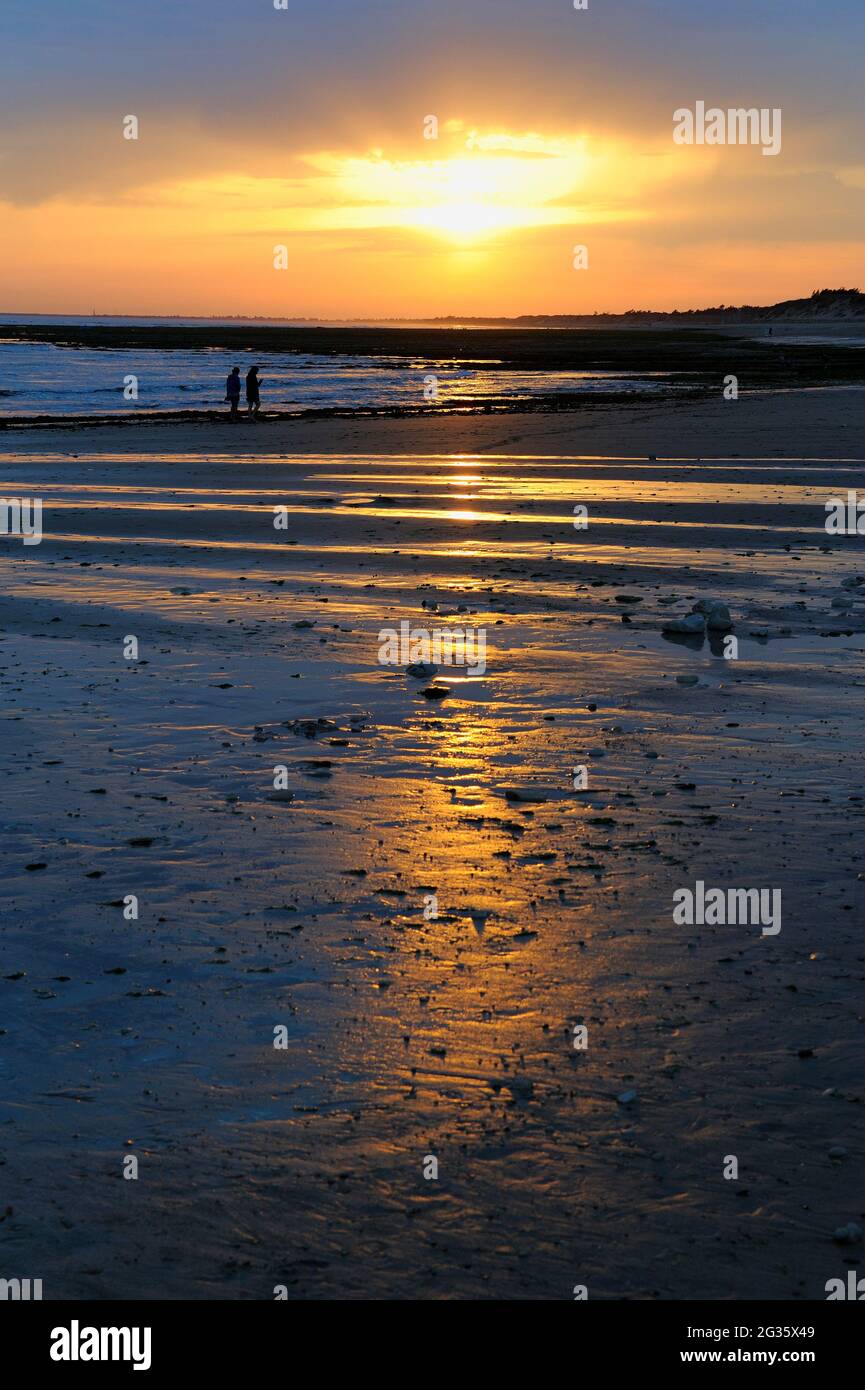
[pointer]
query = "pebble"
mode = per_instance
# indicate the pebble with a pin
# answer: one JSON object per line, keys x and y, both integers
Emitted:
{"x": 526, "y": 794}
{"x": 719, "y": 619}
{"x": 693, "y": 623}
{"x": 850, "y": 1234}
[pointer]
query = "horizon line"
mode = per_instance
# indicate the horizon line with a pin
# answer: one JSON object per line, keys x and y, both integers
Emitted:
{"x": 23, "y": 314}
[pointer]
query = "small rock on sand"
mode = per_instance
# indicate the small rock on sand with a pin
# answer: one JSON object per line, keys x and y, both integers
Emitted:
{"x": 850, "y": 1234}
{"x": 719, "y": 619}
{"x": 527, "y": 794}
{"x": 693, "y": 623}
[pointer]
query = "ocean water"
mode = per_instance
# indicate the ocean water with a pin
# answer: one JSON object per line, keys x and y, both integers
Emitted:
{"x": 44, "y": 379}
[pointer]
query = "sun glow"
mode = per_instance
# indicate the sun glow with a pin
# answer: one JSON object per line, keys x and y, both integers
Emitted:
{"x": 470, "y": 189}
{"x": 476, "y": 222}
{"x": 469, "y": 221}
{"x": 494, "y": 184}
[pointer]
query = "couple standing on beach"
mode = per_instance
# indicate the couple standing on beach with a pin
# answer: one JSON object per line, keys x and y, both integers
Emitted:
{"x": 232, "y": 391}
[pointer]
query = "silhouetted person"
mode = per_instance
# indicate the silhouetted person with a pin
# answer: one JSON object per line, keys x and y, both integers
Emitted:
{"x": 232, "y": 391}
{"x": 252, "y": 385}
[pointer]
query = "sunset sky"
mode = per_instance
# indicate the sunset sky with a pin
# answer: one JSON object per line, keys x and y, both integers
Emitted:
{"x": 304, "y": 127}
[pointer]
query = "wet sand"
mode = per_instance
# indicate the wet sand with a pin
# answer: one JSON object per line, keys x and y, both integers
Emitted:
{"x": 407, "y": 1037}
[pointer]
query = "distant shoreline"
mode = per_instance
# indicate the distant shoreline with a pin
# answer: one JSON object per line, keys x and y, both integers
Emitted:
{"x": 822, "y": 307}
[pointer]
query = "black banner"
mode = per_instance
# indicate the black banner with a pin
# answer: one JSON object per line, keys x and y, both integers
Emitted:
{"x": 228, "y": 1339}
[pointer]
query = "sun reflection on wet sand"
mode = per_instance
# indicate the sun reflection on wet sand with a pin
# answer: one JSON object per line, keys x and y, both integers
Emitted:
{"x": 411, "y": 1027}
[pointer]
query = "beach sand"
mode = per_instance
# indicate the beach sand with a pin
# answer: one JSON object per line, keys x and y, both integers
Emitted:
{"x": 409, "y": 1037}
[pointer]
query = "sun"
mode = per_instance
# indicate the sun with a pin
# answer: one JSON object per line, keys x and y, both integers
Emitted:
{"x": 473, "y": 196}
{"x": 468, "y": 221}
